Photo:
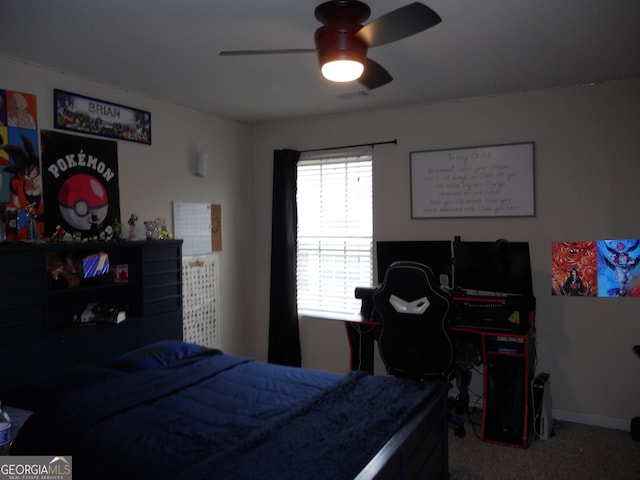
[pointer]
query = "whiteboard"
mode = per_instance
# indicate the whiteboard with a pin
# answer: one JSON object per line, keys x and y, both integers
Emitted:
{"x": 192, "y": 223}
{"x": 486, "y": 181}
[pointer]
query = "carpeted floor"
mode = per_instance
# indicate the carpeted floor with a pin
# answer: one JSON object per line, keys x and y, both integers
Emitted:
{"x": 575, "y": 451}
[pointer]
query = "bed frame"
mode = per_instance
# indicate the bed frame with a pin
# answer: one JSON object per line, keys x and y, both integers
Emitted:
{"x": 35, "y": 309}
{"x": 416, "y": 451}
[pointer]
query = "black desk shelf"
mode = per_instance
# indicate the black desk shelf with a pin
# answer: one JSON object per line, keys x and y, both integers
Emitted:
{"x": 507, "y": 413}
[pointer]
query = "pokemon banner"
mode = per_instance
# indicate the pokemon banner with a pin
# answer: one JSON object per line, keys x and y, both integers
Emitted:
{"x": 81, "y": 189}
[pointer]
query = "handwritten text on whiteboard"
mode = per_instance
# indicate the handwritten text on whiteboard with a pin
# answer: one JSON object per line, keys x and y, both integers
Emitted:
{"x": 489, "y": 181}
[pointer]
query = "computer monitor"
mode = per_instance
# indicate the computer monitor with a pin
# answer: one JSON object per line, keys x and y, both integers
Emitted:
{"x": 500, "y": 267}
{"x": 436, "y": 254}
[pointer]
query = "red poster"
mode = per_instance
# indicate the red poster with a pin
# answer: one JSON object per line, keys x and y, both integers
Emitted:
{"x": 574, "y": 269}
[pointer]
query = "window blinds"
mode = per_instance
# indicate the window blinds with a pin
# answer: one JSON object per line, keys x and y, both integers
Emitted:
{"x": 335, "y": 229}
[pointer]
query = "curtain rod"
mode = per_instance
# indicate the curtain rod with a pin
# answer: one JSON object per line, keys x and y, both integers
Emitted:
{"x": 394, "y": 141}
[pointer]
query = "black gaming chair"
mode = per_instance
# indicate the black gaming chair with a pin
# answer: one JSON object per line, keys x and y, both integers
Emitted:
{"x": 414, "y": 342}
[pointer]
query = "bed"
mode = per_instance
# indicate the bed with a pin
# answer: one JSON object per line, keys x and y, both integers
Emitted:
{"x": 174, "y": 410}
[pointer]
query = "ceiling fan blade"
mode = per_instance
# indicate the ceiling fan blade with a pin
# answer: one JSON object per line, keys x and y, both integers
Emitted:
{"x": 374, "y": 75}
{"x": 398, "y": 24}
{"x": 232, "y": 53}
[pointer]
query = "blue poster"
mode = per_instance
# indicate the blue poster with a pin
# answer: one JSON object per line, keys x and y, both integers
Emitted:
{"x": 618, "y": 268}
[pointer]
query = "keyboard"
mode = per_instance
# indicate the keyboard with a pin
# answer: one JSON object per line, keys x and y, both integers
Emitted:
{"x": 481, "y": 316}
{"x": 489, "y": 327}
{"x": 482, "y": 311}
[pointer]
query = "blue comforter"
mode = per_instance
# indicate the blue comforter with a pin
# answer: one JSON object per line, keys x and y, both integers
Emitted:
{"x": 223, "y": 417}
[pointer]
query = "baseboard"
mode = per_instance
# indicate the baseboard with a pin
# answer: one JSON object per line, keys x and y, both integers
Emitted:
{"x": 567, "y": 416}
{"x": 595, "y": 420}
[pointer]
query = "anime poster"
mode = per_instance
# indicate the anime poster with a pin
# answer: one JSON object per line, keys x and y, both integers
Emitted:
{"x": 574, "y": 269}
{"x": 21, "y": 202}
{"x": 618, "y": 268}
{"x": 20, "y": 110}
{"x": 81, "y": 189}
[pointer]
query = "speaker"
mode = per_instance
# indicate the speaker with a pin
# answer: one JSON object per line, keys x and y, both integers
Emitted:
{"x": 504, "y": 418}
{"x": 201, "y": 164}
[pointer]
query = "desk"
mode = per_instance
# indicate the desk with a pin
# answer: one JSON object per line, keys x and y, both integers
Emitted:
{"x": 508, "y": 360}
{"x": 362, "y": 332}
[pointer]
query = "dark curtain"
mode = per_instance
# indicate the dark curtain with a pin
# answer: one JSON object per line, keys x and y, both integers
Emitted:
{"x": 284, "y": 338}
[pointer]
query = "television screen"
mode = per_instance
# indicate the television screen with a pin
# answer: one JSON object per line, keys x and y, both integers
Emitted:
{"x": 498, "y": 267}
{"x": 435, "y": 254}
{"x": 95, "y": 265}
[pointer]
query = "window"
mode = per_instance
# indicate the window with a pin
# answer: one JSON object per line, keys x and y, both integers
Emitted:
{"x": 335, "y": 230}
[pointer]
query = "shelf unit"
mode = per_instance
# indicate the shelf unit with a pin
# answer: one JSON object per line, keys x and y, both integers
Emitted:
{"x": 508, "y": 368}
{"x": 36, "y": 318}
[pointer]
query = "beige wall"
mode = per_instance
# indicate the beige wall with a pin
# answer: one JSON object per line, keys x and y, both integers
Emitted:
{"x": 586, "y": 169}
{"x": 153, "y": 176}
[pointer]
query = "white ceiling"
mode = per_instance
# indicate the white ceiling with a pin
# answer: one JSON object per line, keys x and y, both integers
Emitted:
{"x": 168, "y": 49}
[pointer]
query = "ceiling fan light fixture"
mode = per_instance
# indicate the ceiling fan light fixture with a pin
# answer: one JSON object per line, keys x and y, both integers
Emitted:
{"x": 342, "y": 70}
{"x": 342, "y": 54}
{"x": 342, "y": 41}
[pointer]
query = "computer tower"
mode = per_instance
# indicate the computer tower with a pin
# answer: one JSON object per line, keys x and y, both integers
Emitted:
{"x": 541, "y": 404}
{"x": 505, "y": 400}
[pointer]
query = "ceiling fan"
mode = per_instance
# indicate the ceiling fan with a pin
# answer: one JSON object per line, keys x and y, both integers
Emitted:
{"x": 342, "y": 42}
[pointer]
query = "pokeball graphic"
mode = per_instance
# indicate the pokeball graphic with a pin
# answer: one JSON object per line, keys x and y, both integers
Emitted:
{"x": 80, "y": 196}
